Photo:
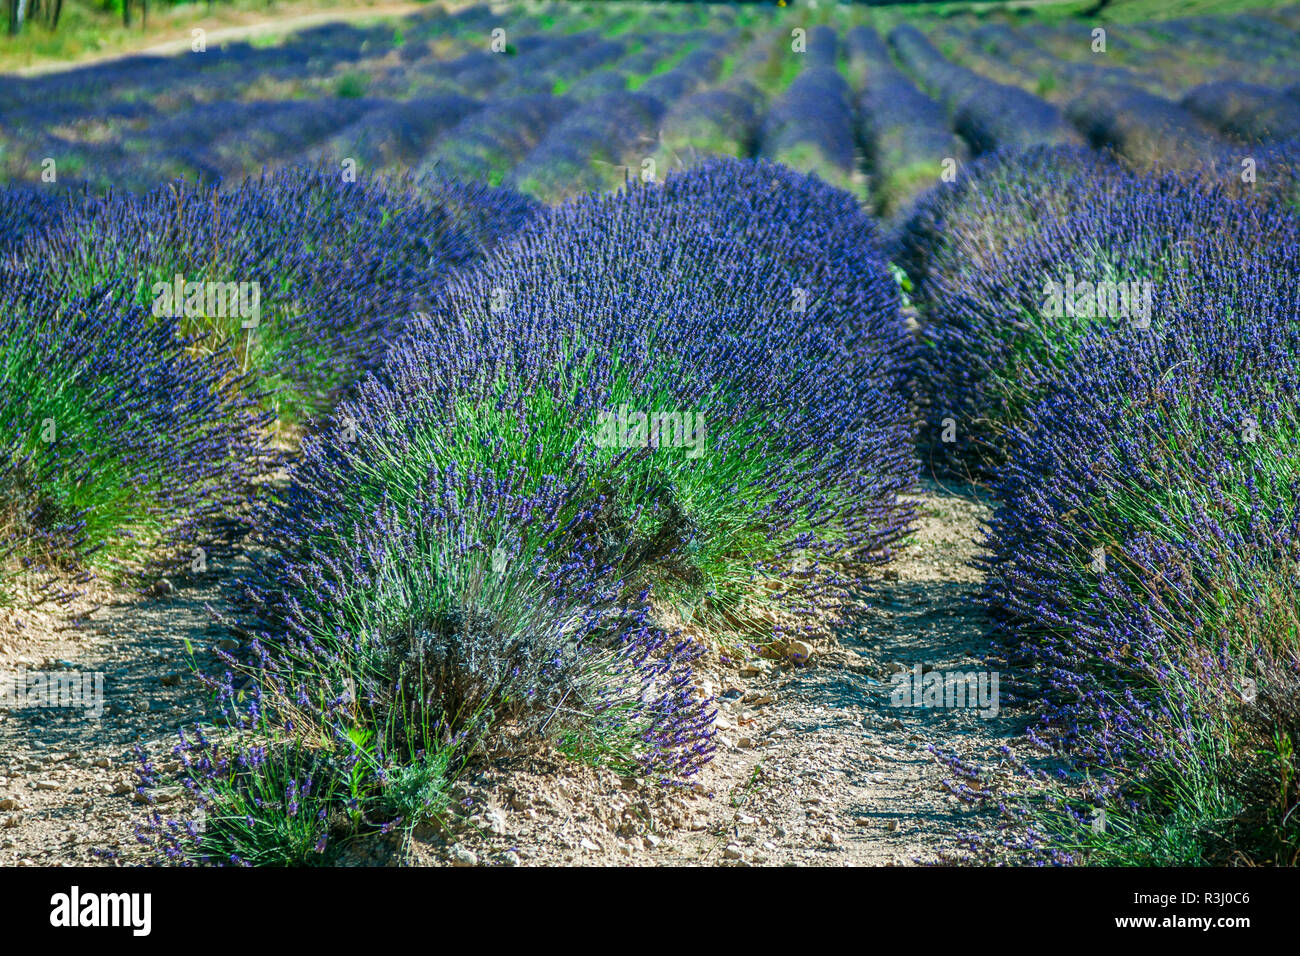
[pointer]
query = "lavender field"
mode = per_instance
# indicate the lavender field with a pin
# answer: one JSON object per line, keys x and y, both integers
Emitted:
{"x": 638, "y": 434}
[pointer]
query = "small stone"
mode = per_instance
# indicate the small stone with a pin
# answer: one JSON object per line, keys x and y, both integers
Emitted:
{"x": 229, "y": 645}
{"x": 47, "y": 785}
{"x": 10, "y": 803}
{"x": 463, "y": 857}
{"x": 745, "y": 820}
{"x": 650, "y": 840}
{"x": 510, "y": 858}
{"x": 732, "y": 852}
{"x": 102, "y": 762}
{"x": 162, "y": 587}
{"x": 121, "y": 787}
{"x": 831, "y": 837}
{"x": 892, "y": 825}
{"x": 171, "y": 680}
{"x": 798, "y": 652}
{"x": 588, "y": 845}
{"x": 746, "y": 743}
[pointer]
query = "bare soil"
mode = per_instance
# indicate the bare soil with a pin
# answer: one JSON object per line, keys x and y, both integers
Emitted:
{"x": 815, "y": 765}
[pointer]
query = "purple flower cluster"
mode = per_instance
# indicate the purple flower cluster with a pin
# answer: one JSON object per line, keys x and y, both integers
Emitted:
{"x": 1143, "y": 563}
{"x": 1148, "y": 130}
{"x": 121, "y": 449}
{"x": 488, "y": 143}
{"x": 823, "y": 47}
{"x": 456, "y": 552}
{"x": 1001, "y": 326}
{"x": 1245, "y": 112}
{"x": 991, "y": 202}
{"x": 988, "y": 115}
{"x": 336, "y": 260}
{"x": 23, "y": 209}
{"x": 395, "y": 137}
{"x": 904, "y": 132}
{"x": 589, "y": 149}
{"x": 811, "y": 126}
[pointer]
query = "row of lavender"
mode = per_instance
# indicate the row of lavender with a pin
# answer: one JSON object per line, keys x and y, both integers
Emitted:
{"x": 1155, "y": 106}
{"x": 158, "y": 346}
{"x": 335, "y": 93}
{"x": 549, "y": 102}
{"x": 674, "y": 403}
{"x": 1118, "y": 355}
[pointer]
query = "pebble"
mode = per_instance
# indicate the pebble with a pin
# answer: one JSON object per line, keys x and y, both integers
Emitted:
{"x": 47, "y": 785}
{"x": 463, "y": 857}
{"x": 10, "y": 803}
{"x": 732, "y": 852}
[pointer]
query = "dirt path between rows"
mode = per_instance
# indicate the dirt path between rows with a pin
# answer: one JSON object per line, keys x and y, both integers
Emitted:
{"x": 68, "y": 791}
{"x": 815, "y": 765}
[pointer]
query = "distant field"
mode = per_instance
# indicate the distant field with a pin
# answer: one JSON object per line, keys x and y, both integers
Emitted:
{"x": 874, "y": 105}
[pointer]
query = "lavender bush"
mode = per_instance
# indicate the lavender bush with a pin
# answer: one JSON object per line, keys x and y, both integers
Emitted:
{"x": 999, "y": 329}
{"x": 336, "y": 262}
{"x": 1143, "y": 571}
{"x": 1246, "y": 112}
{"x": 490, "y": 142}
{"x": 591, "y": 148}
{"x": 1148, "y": 130}
{"x": 810, "y": 127}
{"x": 904, "y": 133}
{"x": 123, "y": 452}
{"x": 713, "y": 122}
{"x": 987, "y": 115}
